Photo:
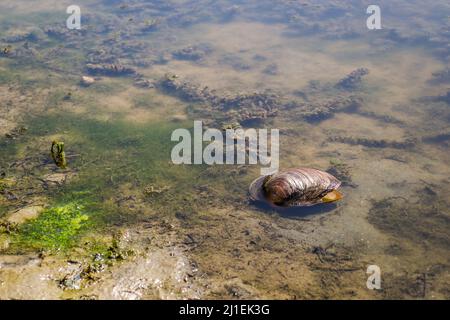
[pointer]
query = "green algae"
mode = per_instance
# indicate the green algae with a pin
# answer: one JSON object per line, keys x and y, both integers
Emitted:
{"x": 56, "y": 228}
{"x": 60, "y": 227}
{"x": 105, "y": 155}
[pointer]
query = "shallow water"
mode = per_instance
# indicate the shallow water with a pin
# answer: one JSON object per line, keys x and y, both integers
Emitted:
{"x": 189, "y": 231}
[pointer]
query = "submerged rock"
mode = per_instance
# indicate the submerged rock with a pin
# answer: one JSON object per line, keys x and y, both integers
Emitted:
{"x": 24, "y": 214}
{"x": 57, "y": 178}
{"x": 86, "y": 81}
{"x": 178, "y": 118}
{"x": 152, "y": 190}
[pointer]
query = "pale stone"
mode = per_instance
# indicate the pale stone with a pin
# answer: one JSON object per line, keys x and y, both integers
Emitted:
{"x": 57, "y": 178}
{"x": 24, "y": 214}
{"x": 87, "y": 81}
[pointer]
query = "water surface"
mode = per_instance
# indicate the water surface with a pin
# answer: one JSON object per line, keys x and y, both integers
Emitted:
{"x": 123, "y": 208}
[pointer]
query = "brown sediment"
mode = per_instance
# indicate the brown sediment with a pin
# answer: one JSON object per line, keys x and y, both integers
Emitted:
{"x": 415, "y": 226}
{"x": 414, "y": 219}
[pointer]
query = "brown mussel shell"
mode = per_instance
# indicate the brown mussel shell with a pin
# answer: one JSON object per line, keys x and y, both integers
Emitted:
{"x": 295, "y": 187}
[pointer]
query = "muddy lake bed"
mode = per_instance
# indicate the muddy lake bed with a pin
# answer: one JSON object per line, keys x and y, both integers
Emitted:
{"x": 121, "y": 221}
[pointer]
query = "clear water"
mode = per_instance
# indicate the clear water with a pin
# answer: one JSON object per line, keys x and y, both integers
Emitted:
{"x": 190, "y": 231}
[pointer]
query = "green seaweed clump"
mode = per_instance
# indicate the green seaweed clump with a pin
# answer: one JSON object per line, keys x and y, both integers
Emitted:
{"x": 56, "y": 228}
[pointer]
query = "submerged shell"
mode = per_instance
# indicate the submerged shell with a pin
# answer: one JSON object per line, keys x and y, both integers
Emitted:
{"x": 294, "y": 187}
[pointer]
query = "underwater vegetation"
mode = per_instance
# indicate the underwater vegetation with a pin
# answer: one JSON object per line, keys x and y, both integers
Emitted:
{"x": 56, "y": 228}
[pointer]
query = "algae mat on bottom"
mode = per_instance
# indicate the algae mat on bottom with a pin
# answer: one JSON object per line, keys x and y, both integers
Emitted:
{"x": 103, "y": 157}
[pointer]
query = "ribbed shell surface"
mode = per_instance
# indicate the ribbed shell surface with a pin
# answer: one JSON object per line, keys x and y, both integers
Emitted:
{"x": 294, "y": 187}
